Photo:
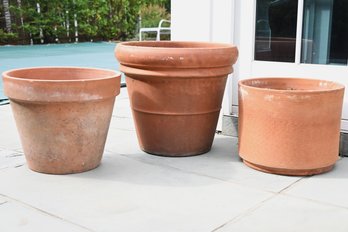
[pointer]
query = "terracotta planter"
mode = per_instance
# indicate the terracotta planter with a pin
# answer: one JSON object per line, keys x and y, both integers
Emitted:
{"x": 289, "y": 126}
{"x": 62, "y": 115}
{"x": 176, "y": 89}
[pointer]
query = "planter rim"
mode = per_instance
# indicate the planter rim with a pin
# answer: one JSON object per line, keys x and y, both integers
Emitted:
{"x": 331, "y": 85}
{"x": 175, "y": 55}
{"x": 61, "y": 84}
{"x": 195, "y": 45}
{"x": 112, "y": 74}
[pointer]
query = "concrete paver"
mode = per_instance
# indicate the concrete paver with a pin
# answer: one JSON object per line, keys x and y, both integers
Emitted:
{"x": 130, "y": 195}
{"x": 9, "y": 138}
{"x": 135, "y": 191}
{"x": 329, "y": 187}
{"x": 287, "y": 214}
{"x": 16, "y": 217}
{"x": 222, "y": 163}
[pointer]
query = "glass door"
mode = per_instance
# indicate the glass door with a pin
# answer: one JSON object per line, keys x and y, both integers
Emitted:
{"x": 324, "y": 31}
{"x": 324, "y": 37}
{"x": 293, "y": 38}
{"x": 275, "y": 30}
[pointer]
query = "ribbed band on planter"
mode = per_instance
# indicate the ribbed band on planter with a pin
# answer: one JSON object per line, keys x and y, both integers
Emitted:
{"x": 289, "y": 126}
{"x": 176, "y": 90}
{"x": 62, "y": 115}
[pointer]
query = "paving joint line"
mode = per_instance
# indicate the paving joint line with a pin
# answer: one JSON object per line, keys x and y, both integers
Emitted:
{"x": 202, "y": 175}
{"x": 122, "y": 117}
{"x": 292, "y": 185}
{"x": 46, "y": 213}
{"x": 122, "y": 129}
{"x": 252, "y": 209}
{"x": 3, "y": 202}
{"x": 315, "y": 201}
{"x": 245, "y": 213}
{"x": 280, "y": 193}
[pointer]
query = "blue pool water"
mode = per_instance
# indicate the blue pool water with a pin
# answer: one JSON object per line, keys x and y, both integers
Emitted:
{"x": 99, "y": 55}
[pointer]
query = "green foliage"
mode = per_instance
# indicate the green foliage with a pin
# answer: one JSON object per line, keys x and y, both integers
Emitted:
{"x": 6, "y": 38}
{"x": 152, "y": 14}
{"x": 97, "y": 19}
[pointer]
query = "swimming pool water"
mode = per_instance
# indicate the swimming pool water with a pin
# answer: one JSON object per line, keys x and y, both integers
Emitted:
{"x": 99, "y": 55}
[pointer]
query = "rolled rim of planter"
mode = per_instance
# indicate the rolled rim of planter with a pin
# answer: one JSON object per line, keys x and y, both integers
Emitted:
{"x": 64, "y": 84}
{"x": 267, "y": 84}
{"x": 176, "y": 58}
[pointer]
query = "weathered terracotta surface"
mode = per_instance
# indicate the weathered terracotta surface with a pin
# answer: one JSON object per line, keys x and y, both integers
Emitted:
{"x": 289, "y": 126}
{"x": 175, "y": 89}
{"x": 62, "y": 115}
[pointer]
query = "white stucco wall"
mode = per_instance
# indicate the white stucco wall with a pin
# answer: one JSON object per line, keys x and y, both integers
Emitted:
{"x": 233, "y": 21}
{"x": 203, "y": 20}
{"x": 206, "y": 20}
{"x": 190, "y": 20}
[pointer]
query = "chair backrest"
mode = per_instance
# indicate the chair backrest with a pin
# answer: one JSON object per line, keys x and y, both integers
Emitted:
{"x": 163, "y": 21}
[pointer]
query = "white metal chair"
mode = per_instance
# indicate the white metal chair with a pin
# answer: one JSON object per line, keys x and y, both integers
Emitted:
{"x": 158, "y": 30}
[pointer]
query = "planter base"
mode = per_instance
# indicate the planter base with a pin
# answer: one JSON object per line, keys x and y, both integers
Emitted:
{"x": 289, "y": 172}
{"x": 177, "y": 155}
{"x": 50, "y": 171}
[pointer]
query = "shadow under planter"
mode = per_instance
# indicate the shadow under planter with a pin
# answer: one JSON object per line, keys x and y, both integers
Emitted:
{"x": 289, "y": 126}
{"x": 62, "y": 115}
{"x": 176, "y": 90}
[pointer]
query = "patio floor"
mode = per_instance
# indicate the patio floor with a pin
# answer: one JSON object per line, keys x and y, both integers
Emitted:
{"x": 134, "y": 191}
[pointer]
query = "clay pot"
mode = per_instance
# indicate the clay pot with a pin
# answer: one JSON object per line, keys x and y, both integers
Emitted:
{"x": 62, "y": 115}
{"x": 289, "y": 126}
{"x": 175, "y": 90}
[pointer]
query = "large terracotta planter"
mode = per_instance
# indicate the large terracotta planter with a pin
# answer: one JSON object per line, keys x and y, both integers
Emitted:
{"x": 175, "y": 90}
{"x": 289, "y": 126}
{"x": 62, "y": 115}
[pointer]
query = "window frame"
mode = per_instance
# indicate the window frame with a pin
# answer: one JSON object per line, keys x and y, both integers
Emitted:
{"x": 299, "y": 30}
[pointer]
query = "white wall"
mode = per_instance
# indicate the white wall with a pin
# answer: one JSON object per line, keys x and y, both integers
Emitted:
{"x": 205, "y": 20}
{"x": 232, "y": 21}
{"x": 191, "y": 20}
{"x": 248, "y": 67}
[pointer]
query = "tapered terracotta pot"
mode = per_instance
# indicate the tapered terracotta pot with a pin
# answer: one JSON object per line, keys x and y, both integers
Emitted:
{"x": 289, "y": 126}
{"x": 62, "y": 115}
{"x": 175, "y": 90}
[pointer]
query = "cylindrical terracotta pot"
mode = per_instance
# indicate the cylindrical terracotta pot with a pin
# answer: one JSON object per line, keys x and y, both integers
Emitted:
{"x": 62, "y": 115}
{"x": 175, "y": 90}
{"x": 289, "y": 126}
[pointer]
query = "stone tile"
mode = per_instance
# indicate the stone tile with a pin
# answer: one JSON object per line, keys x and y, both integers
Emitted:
{"x": 9, "y": 137}
{"x": 2, "y": 200}
{"x": 122, "y": 108}
{"x": 283, "y": 213}
{"x": 331, "y": 187}
{"x": 16, "y": 217}
{"x": 222, "y": 162}
{"x": 122, "y": 123}
{"x": 11, "y": 159}
{"x": 122, "y": 141}
{"x": 123, "y": 94}
{"x": 129, "y": 195}
{"x": 230, "y": 125}
{"x": 135, "y": 191}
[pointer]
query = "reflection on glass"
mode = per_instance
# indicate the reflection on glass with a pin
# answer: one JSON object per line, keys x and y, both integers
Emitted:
{"x": 325, "y": 32}
{"x": 275, "y": 34}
